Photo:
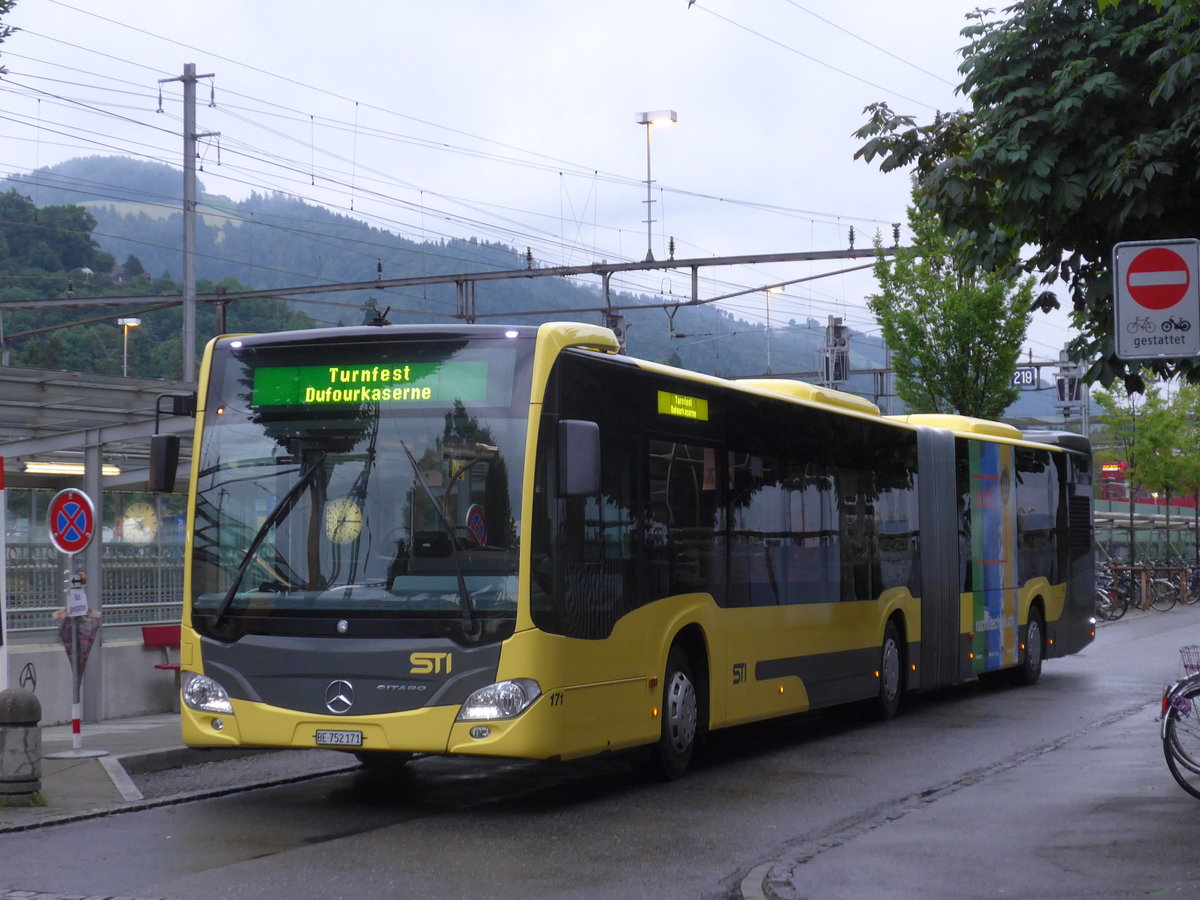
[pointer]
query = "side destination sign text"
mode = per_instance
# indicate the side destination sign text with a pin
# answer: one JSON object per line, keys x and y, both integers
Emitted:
{"x": 671, "y": 404}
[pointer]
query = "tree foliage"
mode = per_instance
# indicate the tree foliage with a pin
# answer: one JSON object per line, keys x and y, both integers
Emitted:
{"x": 50, "y": 239}
{"x": 955, "y": 335}
{"x": 1083, "y": 131}
{"x": 49, "y": 253}
{"x": 5, "y": 30}
{"x": 1157, "y": 437}
{"x": 1124, "y": 441}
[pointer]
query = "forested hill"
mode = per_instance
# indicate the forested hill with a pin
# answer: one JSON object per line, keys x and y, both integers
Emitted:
{"x": 271, "y": 240}
{"x": 274, "y": 240}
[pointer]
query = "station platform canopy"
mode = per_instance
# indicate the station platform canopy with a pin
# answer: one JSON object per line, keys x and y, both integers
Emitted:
{"x": 61, "y": 419}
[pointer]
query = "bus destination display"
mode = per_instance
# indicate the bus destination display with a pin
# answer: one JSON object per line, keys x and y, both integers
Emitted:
{"x": 439, "y": 382}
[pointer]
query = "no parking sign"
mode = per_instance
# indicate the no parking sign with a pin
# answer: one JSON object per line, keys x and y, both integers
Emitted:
{"x": 72, "y": 521}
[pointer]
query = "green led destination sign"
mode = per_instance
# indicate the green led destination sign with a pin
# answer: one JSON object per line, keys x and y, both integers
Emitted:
{"x": 440, "y": 382}
{"x": 683, "y": 406}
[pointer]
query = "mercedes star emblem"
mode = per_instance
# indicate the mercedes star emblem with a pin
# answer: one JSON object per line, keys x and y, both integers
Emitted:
{"x": 339, "y": 697}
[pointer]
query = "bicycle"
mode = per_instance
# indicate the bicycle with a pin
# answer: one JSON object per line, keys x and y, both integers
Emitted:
{"x": 1110, "y": 605}
{"x": 1128, "y": 587}
{"x": 1111, "y": 602}
{"x": 1192, "y": 593}
{"x": 1164, "y": 594}
{"x": 1181, "y": 723}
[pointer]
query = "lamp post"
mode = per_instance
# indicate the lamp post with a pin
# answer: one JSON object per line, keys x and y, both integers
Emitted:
{"x": 654, "y": 117}
{"x": 769, "y": 292}
{"x": 127, "y": 322}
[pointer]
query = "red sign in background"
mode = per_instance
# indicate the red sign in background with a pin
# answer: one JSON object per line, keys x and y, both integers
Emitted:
{"x": 1158, "y": 278}
{"x": 72, "y": 520}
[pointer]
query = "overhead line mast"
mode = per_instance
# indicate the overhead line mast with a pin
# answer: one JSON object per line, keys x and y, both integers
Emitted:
{"x": 188, "y": 348}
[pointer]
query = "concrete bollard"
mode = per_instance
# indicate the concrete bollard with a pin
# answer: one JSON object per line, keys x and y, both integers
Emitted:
{"x": 20, "y": 746}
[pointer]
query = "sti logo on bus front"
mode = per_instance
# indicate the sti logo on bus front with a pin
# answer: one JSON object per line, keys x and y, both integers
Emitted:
{"x": 429, "y": 663}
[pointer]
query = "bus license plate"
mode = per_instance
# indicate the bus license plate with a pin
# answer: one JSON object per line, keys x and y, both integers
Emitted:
{"x": 340, "y": 738}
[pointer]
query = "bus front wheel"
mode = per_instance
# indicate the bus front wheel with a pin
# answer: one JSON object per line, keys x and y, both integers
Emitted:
{"x": 680, "y": 717}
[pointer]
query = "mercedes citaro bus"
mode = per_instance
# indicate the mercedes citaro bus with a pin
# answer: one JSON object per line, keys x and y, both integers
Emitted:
{"x": 518, "y": 542}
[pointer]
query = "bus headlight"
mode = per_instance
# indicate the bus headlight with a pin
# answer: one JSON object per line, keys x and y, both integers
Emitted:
{"x": 502, "y": 700}
{"x": 202, "y": 693}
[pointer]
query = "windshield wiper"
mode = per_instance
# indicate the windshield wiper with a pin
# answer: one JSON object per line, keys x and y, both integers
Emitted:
{"x": 277, "y": 514}
{"x": 470, "y": 625}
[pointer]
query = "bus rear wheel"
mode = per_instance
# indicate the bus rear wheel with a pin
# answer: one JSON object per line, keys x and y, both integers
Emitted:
{"x": 891, "y": 673}
{"x": 1030, "y": 669}
{"x": 680, "y": 718}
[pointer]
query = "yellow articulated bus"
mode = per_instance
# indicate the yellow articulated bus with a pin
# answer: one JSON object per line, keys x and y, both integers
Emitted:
{"x": 517, "y": 542}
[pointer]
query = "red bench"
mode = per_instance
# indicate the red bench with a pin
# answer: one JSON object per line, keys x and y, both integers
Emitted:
{"x": 164, "y": 637}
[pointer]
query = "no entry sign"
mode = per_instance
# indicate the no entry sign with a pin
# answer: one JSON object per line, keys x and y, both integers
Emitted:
{"x": 1158, "y": 278}
{"x": 72, "y": 521}
{"x": 1156, "y": 299}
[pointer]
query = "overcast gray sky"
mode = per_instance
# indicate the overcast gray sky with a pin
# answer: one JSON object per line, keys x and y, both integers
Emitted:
{"x": 515, "y": 122}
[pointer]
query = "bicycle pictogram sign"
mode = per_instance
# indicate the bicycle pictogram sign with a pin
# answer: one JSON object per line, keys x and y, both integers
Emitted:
{"x": 72, "y": 521}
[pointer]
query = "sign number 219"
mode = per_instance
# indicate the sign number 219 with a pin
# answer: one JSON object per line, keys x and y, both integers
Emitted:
{"x": 1024, "y": 376}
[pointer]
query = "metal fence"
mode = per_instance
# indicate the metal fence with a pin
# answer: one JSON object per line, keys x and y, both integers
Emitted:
{"x": 141, "y": 584}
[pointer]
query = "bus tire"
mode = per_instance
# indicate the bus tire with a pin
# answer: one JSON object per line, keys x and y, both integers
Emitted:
{"x": 1030, "y": 669}
{"x": 891, "y": 674}
{"x": 680, "y": 717}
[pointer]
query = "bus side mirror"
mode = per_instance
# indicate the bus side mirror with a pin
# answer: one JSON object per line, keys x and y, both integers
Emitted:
{"x": 578, "y": 458}
{"x": 164, "y": 462}
{"x": 164, "y": 448}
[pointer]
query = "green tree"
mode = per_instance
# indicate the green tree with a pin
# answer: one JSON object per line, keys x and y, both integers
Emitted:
{"x": 1161, "y": 462}
{"x": 133, "y": 267}
{"x": 1083, "y": 131}
{"x": 955, "y": 335}
{"x": 1187, "y": 407}
{"x": 50, "y": 239}
{"x": 1125, "y": 441}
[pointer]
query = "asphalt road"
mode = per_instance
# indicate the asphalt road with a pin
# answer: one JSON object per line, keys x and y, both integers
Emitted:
{"x": 1059, "y": 790}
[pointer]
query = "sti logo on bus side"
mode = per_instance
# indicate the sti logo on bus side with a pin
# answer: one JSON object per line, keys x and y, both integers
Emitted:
{"x": 429, "y": 663}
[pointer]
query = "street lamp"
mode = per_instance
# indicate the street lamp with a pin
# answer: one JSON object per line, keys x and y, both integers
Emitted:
{"x": 127, "y": 322}
{"x": 769, "y": 292}
{"x": 654, "y": 117}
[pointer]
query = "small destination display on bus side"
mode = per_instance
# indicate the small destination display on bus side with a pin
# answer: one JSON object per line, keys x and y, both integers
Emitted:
{"x": 683, "y": 406}
{"x": 440, "y": 382}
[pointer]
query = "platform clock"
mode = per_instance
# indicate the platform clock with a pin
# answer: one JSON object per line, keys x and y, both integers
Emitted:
{"x": 343, "y": 520}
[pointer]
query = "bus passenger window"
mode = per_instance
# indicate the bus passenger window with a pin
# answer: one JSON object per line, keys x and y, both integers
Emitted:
{"x": 813, "y": 569}
{"x": 858, "y": 540}
{"x": 681, "y": 528}
{"x": 758, "y": 548}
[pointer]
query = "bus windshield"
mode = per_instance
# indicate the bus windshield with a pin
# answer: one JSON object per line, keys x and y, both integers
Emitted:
{"x": 369, "y": 498}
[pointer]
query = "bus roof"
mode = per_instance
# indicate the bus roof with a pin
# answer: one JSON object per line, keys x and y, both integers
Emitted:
{"x": 965, "y": 425}
{"x": 803, "y": 390}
